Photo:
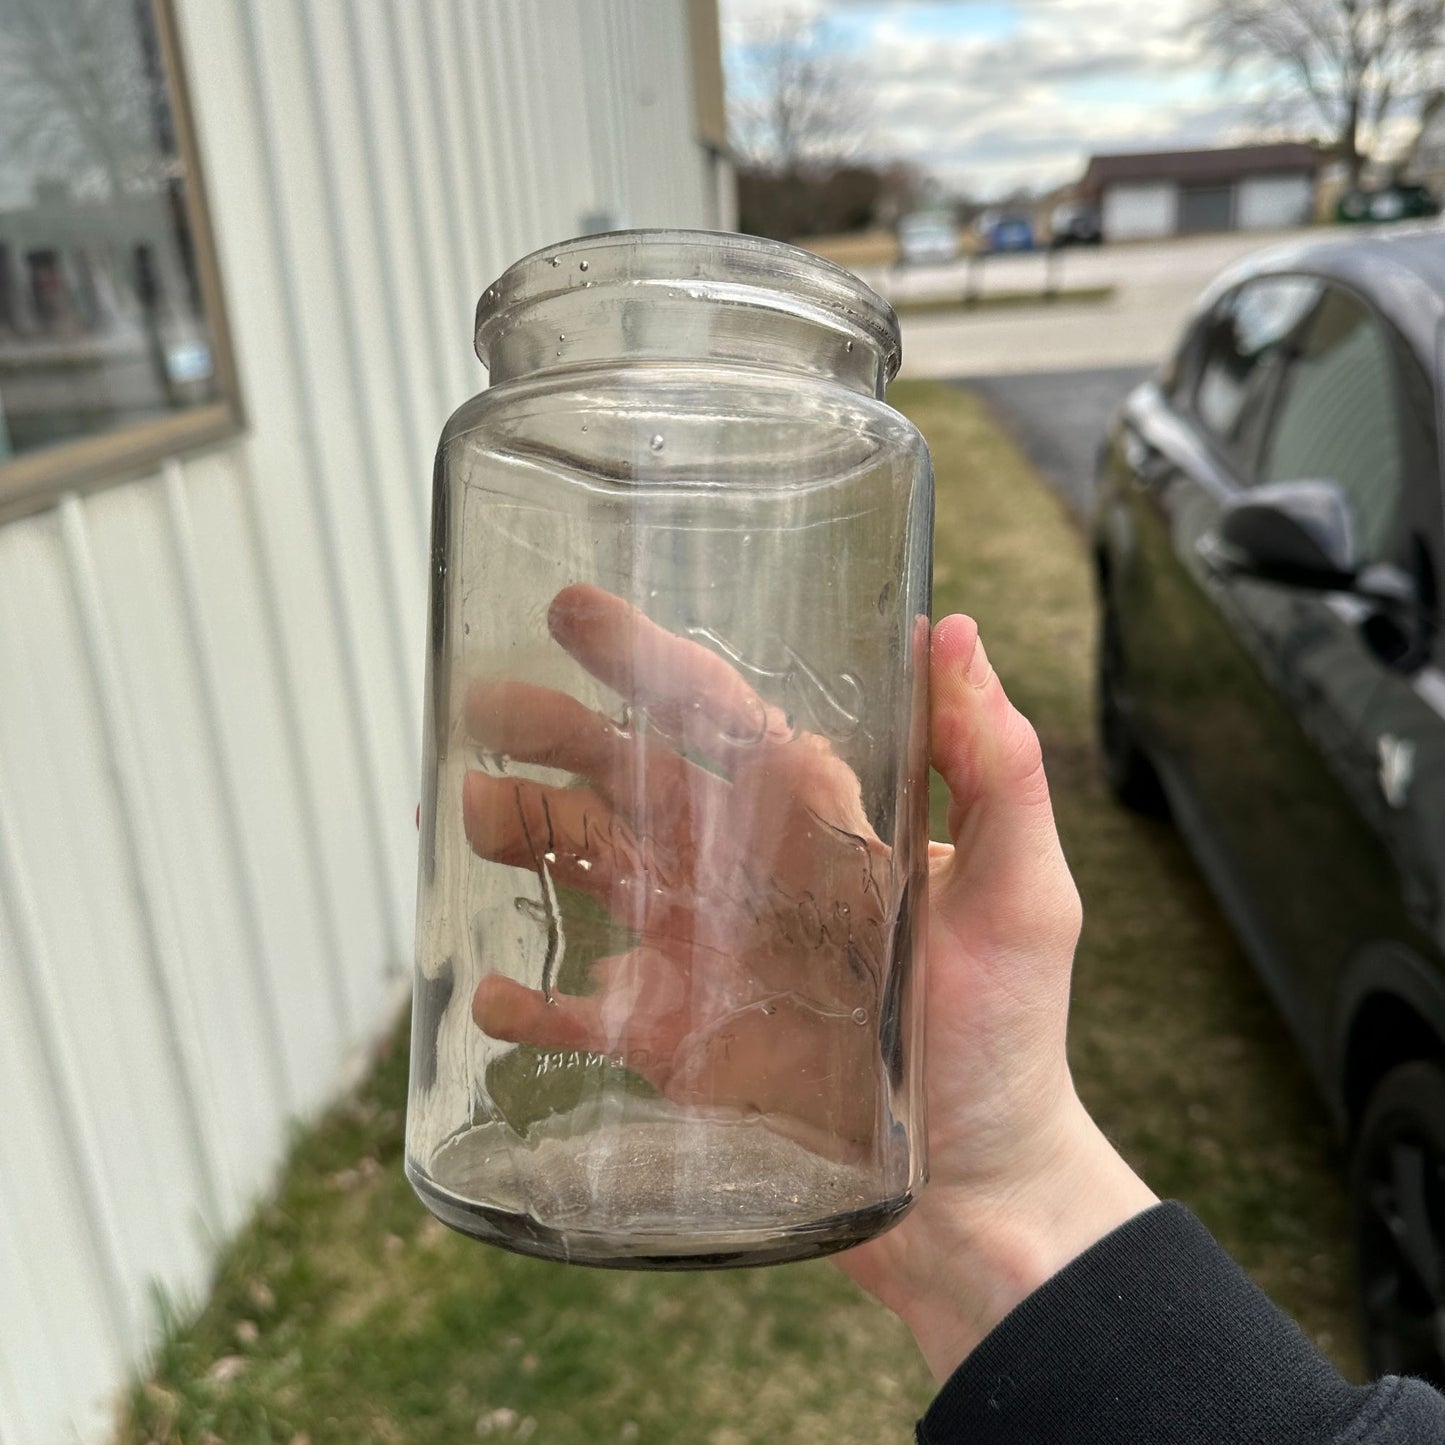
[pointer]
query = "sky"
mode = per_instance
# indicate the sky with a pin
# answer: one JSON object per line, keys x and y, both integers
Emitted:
{"x": 989, "y": 95}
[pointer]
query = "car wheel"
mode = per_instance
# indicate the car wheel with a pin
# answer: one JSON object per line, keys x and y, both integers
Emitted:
{"x": 1398, "y": 1188}
{"x": 1127, "y": 769}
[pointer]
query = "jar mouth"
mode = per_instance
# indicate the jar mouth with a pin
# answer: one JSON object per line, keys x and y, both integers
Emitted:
{"x": 747, "y": 271}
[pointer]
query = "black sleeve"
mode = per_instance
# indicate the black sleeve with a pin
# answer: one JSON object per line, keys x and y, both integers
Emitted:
{"x": 1156, "y": 1337}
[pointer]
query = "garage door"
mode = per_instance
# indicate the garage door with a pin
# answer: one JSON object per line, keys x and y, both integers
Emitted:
{"x": 1206, "y": 208}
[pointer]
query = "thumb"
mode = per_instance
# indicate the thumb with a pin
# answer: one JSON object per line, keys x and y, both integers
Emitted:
{"x": 1007, "y": 885}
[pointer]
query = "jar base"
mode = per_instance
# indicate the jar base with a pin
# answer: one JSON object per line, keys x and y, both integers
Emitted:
{"x": 742, "y": 1249}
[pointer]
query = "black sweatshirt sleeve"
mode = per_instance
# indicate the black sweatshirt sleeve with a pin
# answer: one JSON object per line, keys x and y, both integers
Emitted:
{"x": 1156, "y": 1337}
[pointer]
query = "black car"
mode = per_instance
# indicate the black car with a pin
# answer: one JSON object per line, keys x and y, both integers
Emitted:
{"x": 1075, "y": 224}
{"x": 1270, "y": 549}
{"x": 1400, "y": 202}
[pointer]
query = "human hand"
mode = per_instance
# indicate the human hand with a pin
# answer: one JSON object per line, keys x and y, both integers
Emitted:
{"x": 734, "y": 851}
{"x": 735, "y": 848}
{"x": 1021, "y": 1179}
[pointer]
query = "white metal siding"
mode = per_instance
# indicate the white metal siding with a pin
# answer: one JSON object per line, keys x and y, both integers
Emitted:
{"x": 1265, "y": 203}
{"x": 1135, "y": 212}
{"x": 210, "y": 677}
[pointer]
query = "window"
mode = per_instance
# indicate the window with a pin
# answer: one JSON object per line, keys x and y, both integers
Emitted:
{"x": 112, "y": 343}
{"x": 1243, "y": 346}
{"x": 1337, "y": 419}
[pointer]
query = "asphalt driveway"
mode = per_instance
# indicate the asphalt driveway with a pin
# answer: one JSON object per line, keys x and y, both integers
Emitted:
{"x": 1058, "y": 418}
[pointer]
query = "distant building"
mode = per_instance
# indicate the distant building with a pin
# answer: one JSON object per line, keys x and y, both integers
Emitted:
{"x": 1173, "y": 193}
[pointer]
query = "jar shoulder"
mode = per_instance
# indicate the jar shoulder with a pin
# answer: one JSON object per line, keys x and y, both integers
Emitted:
{"x": 702, "y": 400}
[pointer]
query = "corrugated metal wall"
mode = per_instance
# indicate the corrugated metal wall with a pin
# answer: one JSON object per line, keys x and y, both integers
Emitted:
{"x": 210, "y": 677}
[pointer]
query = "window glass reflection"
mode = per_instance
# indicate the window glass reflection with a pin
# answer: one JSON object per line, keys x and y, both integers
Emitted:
{"x": 102, "y": 320}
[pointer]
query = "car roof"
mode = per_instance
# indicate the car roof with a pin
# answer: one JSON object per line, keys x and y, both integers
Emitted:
{"x": 1420, "y": 249}
{"x": 1402, "y": 271}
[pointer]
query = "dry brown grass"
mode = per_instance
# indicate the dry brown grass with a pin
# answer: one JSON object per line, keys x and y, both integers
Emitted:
{"x": 860, "y": 248}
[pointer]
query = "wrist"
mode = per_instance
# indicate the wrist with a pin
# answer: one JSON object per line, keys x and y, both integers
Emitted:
{"x": 982, "y": 1254}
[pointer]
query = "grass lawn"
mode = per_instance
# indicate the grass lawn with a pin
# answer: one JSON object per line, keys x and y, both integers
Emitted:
{"x": 859, "y": 248}
{"x": 344, "y": 1314}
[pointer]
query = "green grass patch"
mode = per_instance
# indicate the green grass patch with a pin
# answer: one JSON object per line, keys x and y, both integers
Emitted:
{"x": 1005, "y": 301}
{"x": 343, "y": 1313}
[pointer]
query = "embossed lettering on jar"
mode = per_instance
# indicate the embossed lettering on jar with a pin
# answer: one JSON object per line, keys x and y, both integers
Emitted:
{"x": 673, "y": 844}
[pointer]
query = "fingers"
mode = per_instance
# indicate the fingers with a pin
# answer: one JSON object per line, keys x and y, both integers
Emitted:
{"x": 676, "y": 681}
{"x": 1008, "y": 873}
{"x": 571, "y": 830}
{"x": 624, "y": 1019}
{"x": 516, "y": 1014}
{"x": 644, "y": 780}
{"x": 541, "y": 725}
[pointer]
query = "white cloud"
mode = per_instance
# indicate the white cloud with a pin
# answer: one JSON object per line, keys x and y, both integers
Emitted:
{"x": 998, "y": 106}
{"x": 744, "y": 19}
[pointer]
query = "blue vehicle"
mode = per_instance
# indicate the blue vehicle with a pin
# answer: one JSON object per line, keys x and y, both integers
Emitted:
{"x": 999, "y": 231}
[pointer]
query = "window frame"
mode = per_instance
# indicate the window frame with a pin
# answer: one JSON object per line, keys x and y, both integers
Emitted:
{"x": 35, "y": 480}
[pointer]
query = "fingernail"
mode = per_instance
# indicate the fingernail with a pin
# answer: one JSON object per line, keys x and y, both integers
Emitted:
{"x": 979, "y": 667}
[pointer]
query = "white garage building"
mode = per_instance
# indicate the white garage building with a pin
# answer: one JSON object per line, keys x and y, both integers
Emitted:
{"x": 1171, "y": 193}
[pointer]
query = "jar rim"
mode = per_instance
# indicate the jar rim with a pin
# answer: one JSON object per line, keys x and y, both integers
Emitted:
{"x": 797, "y": 278}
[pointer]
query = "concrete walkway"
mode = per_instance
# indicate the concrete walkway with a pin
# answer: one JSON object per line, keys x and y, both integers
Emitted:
{"x": 1137, "y": 329}
{"x": 1155, "y": 286}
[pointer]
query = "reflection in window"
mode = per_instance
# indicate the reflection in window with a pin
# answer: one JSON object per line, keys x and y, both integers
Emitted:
{"x": 1337, "y": 420}
{"x": 1242, "y": 350}
{"x": 102, "y": 322}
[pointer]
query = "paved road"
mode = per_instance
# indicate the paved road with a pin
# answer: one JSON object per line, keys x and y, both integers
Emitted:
{"x": 1059, "y": 418}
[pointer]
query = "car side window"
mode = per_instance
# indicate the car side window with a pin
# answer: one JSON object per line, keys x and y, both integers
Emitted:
{"x": 1244, "y": 344}
{"x": 1337, "y": 419}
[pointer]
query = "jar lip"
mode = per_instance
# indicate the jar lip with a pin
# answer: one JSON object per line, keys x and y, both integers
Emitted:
{"x": 697, "y": 258}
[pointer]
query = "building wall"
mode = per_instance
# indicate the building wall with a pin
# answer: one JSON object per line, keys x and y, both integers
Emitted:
{"x": 1136, "y": 212}
{"x": 210, "y": 676}
{"x": 1264, "y": 203}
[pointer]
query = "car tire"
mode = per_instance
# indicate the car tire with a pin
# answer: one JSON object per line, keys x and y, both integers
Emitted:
{"x": 1127, "y": 769}
{"x": 1398, "y": 1194}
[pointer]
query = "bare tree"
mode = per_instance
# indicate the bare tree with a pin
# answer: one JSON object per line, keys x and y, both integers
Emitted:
{"x": 801, "y": 106}
{"x": 76, "y": 96}
{"x": 1358, "y": 64}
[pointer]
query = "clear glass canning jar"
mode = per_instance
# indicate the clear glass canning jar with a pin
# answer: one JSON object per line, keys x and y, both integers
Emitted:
{"x": 673, "y": 861}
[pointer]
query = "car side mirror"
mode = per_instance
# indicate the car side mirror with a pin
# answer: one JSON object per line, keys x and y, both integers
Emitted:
{"x": 1301, "y": 534}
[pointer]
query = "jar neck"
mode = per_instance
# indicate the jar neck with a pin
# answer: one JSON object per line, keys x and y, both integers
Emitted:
{"x": 686, "y": 297}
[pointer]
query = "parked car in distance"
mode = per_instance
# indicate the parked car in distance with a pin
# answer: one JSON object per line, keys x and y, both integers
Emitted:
{"x": 1075, "y": 223}
{"x": 1390, "y": 203}
{"x": 927, "y": 238}
{"x": 1000, "y": 231}
{"x": 1270, "y": 554}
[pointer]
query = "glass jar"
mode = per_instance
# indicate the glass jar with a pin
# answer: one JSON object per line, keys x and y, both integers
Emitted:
{"x": 674, "y": 827}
